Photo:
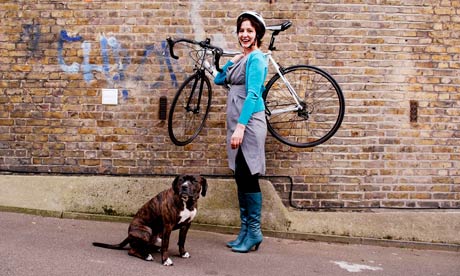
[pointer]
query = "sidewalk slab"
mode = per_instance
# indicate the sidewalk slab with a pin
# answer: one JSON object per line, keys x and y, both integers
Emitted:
{"x": 118, "y": 198}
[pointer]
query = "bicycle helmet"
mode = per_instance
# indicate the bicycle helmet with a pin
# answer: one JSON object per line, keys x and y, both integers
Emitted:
{"x": 255, "y": 16}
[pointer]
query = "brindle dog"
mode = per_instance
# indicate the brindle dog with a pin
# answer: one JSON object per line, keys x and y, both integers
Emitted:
{"x": 170, "y": 210}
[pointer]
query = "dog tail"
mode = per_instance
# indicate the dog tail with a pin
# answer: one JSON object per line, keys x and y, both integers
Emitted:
{"x": 119, "y": 246}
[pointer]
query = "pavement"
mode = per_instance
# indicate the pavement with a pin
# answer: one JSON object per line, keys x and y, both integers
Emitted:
{"x": 36, "y": 245}
{"x": 71, "y": 196}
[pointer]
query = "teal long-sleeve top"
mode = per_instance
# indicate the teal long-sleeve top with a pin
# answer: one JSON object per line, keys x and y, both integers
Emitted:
{"x": 256, "y": 72}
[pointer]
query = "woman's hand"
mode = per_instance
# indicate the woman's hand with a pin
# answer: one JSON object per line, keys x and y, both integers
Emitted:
{"x": 237, "y": 136}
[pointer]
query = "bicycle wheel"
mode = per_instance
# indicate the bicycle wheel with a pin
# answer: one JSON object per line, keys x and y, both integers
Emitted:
{"x": 319, "y": 113}
{"x": 189, "y": 109}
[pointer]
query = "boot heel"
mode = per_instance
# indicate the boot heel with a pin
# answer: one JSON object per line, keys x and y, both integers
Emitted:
{"x": 253, "y": 236}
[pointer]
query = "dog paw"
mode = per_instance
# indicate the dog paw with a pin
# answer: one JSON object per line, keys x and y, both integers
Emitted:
{"x": 186, "y": 255}
{"x": 149, "y": 258}
{"x": 168, "y": 262}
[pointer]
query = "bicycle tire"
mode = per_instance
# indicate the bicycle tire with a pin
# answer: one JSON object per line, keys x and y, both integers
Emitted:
{"x": 189, "y": 109}
{"x": 324, "y": 106}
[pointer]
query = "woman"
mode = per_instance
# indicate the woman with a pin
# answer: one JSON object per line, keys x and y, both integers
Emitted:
{"x": 246, "y": 126}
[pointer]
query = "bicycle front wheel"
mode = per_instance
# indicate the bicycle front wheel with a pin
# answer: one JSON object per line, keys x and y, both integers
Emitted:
{"x": 189, "y": 109}
{"x": 314, "y": 117}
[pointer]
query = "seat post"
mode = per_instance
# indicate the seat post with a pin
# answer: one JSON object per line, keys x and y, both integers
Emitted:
{"x": 272, "y": 47}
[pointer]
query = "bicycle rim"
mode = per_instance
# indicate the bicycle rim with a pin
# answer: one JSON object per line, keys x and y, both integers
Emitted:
{"x": 322, "y": 101}
{"x": 189, "y": 109}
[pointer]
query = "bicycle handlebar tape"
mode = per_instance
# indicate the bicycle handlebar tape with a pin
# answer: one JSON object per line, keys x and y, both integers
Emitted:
{"x": 171, "y": 48}
{"x": 219, "y": 53}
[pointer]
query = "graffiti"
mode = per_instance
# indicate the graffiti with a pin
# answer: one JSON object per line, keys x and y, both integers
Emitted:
{"x": 116, "y": 73}
{"x": 31, "y": 37}
{"x": 75, "y": 67}
{"x": 163, "y": 57}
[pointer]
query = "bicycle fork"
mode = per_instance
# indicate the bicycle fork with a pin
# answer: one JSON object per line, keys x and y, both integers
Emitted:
{"x": 198, "y": 78}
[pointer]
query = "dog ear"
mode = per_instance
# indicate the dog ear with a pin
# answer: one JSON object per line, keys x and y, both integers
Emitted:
{"x": 204, "y": 186}
{"x": 175, "y": 184}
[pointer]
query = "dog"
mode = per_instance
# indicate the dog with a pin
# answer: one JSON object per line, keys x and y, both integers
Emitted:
{"x": 153, "y": 223}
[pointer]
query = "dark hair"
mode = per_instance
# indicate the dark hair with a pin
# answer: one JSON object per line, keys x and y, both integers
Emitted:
{"x": 260, "y": 30}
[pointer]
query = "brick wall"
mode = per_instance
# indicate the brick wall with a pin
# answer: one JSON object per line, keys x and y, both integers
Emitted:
{"x": 57, "y": 56}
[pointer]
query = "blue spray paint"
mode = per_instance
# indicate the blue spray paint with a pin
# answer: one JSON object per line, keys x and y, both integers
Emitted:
{"x": 163, "y": 57}
{"x": 63, "y": 37}
{"x": 121, "y": 59}
{"x": 168, "y": 63}
{"x": 31, "y": 35}
{"x": 86, "y": 66}
{"x": 148, "y": 50}
{"x": 121, "y": 63}
{"x": 125, "y": 94}
{"x": 105, "y": 56}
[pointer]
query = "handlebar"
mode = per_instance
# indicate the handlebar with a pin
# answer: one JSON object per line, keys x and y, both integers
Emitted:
{"x": 206, "y": 44}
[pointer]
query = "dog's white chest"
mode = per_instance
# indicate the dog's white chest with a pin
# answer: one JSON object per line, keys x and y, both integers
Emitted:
{"x": 186, "y": 214}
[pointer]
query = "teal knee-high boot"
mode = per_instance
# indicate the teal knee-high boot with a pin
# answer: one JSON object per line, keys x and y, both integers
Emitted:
{"x": 254, "y": 234}
{"x": 244, "y": 221}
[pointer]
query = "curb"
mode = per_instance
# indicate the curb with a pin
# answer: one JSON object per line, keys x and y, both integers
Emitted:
{"x": 233, "y": 230}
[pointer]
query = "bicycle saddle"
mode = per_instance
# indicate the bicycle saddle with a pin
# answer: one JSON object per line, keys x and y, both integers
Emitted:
{"x": 280, "y": 27}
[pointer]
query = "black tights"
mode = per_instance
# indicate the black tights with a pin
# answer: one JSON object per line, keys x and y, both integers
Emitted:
{"x": 245, "y": 181}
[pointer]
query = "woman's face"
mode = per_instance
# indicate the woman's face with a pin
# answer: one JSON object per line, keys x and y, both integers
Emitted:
{"x": 247, "y": 34}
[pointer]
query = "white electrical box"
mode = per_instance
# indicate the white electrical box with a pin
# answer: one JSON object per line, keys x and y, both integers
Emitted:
{"x": 109, "y": 96}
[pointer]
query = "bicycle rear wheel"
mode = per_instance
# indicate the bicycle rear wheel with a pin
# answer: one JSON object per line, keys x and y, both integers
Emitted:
{"x": 189, "y": 109}
{"x": 320, "y": 111}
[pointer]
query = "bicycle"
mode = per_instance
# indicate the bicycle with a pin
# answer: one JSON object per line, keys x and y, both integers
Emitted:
{"x": 304, "y": 105}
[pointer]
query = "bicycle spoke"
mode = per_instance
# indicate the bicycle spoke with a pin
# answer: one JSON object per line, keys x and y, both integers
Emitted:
{"x": 320, "y": 112}
{"x": 189, "y": 109}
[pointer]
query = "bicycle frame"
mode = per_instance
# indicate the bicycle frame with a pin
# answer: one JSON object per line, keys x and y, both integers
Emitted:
{"x": 213, "y": 72}
{"x": 291, "y": 90}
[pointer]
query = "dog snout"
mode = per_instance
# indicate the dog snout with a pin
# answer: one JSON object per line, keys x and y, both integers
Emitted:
{"x": 185, "y": 191}
{"x": 185, "y": 187}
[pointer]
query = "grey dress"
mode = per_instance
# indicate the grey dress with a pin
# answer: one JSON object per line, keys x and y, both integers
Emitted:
{"x": 253, "y": 145}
